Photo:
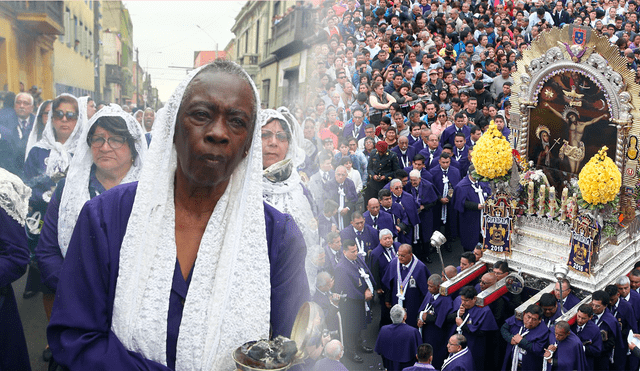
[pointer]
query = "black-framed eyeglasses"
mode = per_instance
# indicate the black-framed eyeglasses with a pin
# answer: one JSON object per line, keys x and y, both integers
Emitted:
{"x": 442, "y": 115}
{"x": 59, "y": 114}
{"x": 114, "y": 142}
{"x": 281, "y": 135}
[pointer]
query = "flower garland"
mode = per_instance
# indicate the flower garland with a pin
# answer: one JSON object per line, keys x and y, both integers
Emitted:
{"x": 599, "y": 180}
{"x": 492, "y": 155}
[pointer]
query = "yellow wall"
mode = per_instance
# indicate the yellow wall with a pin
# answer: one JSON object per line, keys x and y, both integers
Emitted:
{"x": 25, "y": 56}
{"x": 70, "y": 67}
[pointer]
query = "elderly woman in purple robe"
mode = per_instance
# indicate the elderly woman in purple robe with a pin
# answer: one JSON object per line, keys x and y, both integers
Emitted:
{"x": 181, "y": 268}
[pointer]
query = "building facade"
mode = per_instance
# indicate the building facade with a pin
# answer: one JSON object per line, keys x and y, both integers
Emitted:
{"x": 117, "y": 65}
{"x": 28, "y": 31}
{"x": 73, "y": 68}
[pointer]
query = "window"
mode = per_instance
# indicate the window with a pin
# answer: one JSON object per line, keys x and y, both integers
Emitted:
{"x": 257, "y": 35}
{"x": 266, "y": 85}
{"x": 246, "y": 41}
{"x": 80, "y": 47}
{"x": 74, "y": 40}
{"x": 67, "y": 32}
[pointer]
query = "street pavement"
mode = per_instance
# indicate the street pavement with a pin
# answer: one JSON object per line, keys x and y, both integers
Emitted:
{"x": 34, "y": 320}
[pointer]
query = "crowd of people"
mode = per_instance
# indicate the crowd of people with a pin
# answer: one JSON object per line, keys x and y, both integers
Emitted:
{"x": 337, "y": 203}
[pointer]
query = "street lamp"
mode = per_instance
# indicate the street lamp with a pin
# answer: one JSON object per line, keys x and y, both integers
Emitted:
{"x": 203, "y": 30}
{"x": 560, "y": 272}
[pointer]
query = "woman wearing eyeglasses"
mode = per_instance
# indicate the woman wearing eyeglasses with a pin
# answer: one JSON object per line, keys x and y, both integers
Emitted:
{"x": 111, "y": 153}
{"x": 282, "y": 154}
{"x": 442, "y": 122}
{"x": 47, "y": 163}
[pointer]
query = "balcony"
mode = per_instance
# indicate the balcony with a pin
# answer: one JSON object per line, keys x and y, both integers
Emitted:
{"x": 113, "y": 74}
{"x": 44, "y": 17}
{"x": 288, "y": 34}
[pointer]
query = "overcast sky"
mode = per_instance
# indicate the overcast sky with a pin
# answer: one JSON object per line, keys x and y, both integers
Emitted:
{"x": 166, "y": 34}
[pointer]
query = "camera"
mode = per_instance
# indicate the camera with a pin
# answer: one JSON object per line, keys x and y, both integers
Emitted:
{"x": 334, "y": 335}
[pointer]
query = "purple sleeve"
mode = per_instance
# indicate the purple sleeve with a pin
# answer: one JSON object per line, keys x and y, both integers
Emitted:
{"x": 14, "y": 253}
{"x": 289, "y": 287}
{"x": 79, "y": 332}
{"x": 48, "y": 252}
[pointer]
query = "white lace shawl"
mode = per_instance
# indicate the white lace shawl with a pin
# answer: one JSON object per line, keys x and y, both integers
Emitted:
{"x": 229, "y": 295}
{"x": 76, "y": 189}
{"x": 288, "y": 196}
{"x": 33, "y": 135}
{"x": 14, "y": 196}
{"x": 60, "y": 155}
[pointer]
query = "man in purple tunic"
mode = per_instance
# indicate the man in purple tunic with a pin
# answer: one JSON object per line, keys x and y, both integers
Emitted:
{"x": 404, "y": 152}
{"x": 565, "y": 351}
{"x": 404, "y": 199}
{"x": 432, "y": 318}
{"x": 424, "y": 356}
{"x": 332, "y": 252}
{"x": 623, "y": 312}
{"x": 448, "y": 135}
{"x": 550, "y": 310}
{"x": 406, "y": 283}
{"x": 432, "y": 152}
{"x": 327, "y": 300}
{"x": 365, "y": 236}
{"x": 589, "y": 334}
{"x": 342, "y": 190}
{"x": 381, "y": 256}
{"x": 609, "y": 328}
{"x": 353, "y": 279}
{"x": 445, "y": 179}
{"x": 526, "y": 341}
{"x": 569, "y": 300}
{"x": 474, "y": 323}
{"x": 424, "y": 194}
{"x": 469, "y": 198}
{"x": 398, "y": 343}
{"x": 460, "y": 357}
{"x": 14, "y": 257}
{"x": 400, "y": 220}
{"x": 418, "y": 163}
{"x": 377, "y": 218}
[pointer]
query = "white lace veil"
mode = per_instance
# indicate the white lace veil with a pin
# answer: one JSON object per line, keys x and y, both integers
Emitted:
{"x": 14, "y": 196}
{"x": 60, "y": 156}
{"x": 33, "y": 135}
{"x": 76, "y": 189}
{"x": 228, "y": 302}
{"x": 287, "y": 195}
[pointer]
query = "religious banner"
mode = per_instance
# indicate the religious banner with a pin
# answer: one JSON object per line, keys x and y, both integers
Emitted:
{"x": 498, "y": 222}
{"x": 585, "y": 241}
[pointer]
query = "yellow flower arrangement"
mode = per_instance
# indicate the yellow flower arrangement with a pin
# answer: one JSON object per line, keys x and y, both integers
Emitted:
{"x": 492, "y": 154}
{"x": 599, "y": 179}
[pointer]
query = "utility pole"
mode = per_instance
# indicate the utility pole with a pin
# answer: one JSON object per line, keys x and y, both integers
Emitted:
{"x": 137, "y": 79}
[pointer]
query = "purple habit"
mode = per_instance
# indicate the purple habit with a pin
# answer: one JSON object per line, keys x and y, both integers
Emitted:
{"x": 327, "y": 364}
{"x": 434, "y": 329}
{"x": 532, "y": 345}
{"x": 419, "y": 367}
{"x": 426, "y": 197}
{"x": 475, "y": 329}
{"x": 384, "y": 221}
{"x": 398, "y": 343}
{"x": 414, "y": 291}
{"x": 368, "y": 239}
{"x": 408, "y": 204}
{"x": 14, "y": 257}
{"x": 570, "y": 354}
{"x": 592, "y": 340}
{"x": 424, "y": 173}
{"x": 448, "y": 135}
{"x": 80, "y": 333}
{"x": 406, "y": 158}
{"x": 48, "y": 252}
{"x": 35, "y": 177}
{"x": 461, "y": 361}
{"x": 430, "y": 158}
{"x": 380, "y": 259}
{"x": 464, "y": 198}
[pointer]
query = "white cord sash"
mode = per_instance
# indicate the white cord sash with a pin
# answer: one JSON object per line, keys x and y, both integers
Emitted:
{"x": 453, "y": 356}
{"x": 516, "y": 350}
{"x": 478, "y": 189}
{"x": 402, "y": 284}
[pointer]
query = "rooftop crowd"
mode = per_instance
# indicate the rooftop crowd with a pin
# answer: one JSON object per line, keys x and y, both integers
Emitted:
{"x": 354, "y": 185}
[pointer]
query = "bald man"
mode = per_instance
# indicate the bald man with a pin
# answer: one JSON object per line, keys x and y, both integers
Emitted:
{"x": 379, "y": 219}
{"x": 333, "y": 351}
{"x": 342, "y": 190}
